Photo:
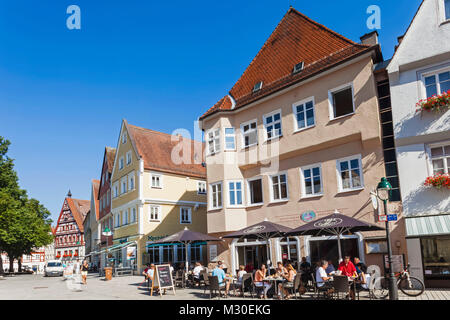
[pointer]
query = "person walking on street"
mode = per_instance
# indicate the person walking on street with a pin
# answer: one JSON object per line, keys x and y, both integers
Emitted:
{"x": 84, "y": 271}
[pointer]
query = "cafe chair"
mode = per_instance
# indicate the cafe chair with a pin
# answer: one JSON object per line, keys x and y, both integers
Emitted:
{"x": 205, "y": 280}
{"x": 319, "y": 290}
{"x": 294, "y": 286}
{"x": 247, "y": 284}
{"x": 341, "y": 285}
{"x": 214, "y": 286}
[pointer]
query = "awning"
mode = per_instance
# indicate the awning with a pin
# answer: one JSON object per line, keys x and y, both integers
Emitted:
{"x": 175, "y": 244}
{"x": 427, "y": 225}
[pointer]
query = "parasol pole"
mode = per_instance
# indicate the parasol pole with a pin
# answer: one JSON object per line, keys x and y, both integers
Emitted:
{"x": 339, "y": 247}
{"x": 186, "y": 255}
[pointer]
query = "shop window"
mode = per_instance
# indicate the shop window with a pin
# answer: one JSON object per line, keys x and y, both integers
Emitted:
{"x": 436, "y": 256}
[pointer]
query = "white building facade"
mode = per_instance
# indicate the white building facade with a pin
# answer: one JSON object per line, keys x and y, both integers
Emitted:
{"x": 419, "y": 69}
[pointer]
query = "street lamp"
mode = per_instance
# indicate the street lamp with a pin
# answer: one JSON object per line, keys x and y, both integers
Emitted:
{"x": 383, "y": 191}
{"x": 107, "y": 233}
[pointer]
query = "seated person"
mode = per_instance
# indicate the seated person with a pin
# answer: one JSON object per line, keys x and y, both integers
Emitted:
{"x": 361, "y": 269}
{"x": 220, "y": 274}
{"x": 280, "y": 270}
{"x": 289, "y": 276}
{"x": 240, "y": 275}
{"x": 249, "y": 267}
{"x": 348, "y": 268}
{"x": 330, "y": 267}
{"x": 196, "y": 272}
{"x": 305, "y": 268}
{"x": 322, "y": 279}
{"x": 260, "y": 275}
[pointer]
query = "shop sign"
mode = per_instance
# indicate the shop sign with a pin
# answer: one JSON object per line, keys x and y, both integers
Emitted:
{"x": 153, "y": 238}
{"x": 308, "y": 216}
{"x": 131, "y": 253}
{"x": 391, "y": 217}
{"x": 382, "y": 218}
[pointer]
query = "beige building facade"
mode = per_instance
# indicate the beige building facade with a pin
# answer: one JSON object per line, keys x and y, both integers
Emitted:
{"x": 297, "y": 148}
{"x": 154, "y": 197}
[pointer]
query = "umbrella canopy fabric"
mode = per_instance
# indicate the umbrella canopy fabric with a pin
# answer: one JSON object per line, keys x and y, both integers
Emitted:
{"x": 186, "y": 236}
{"x": 263, "y": 230}
{"x": 333, "y": 224}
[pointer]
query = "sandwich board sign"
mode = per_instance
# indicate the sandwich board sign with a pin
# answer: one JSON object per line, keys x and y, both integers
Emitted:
{"x": 162, "y": 279}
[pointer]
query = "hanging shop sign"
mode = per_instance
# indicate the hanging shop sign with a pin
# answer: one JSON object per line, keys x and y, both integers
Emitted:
{"x": 308, "y": 216}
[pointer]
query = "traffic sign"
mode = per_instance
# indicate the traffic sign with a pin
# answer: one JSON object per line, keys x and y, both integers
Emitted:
{"x": 382, "y": 218}
{"x": 391, "y": 217}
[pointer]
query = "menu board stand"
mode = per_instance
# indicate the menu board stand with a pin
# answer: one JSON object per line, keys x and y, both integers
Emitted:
{"x": 162, "y": 279}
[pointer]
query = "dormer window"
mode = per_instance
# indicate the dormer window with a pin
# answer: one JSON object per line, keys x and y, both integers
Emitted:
{"x": 257, "y": 86}
{"x": 298, "y": 67}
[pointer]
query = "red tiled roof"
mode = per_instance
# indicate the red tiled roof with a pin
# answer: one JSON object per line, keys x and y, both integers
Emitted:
{"x": 79, "y": 209}
{"x": 296, "y": 39}
{"x": 95, "y": 190}
{"x": 110, "y": 154}
{"x": 156, "y": 150}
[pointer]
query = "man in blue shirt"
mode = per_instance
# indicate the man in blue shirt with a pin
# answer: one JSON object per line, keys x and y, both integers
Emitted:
{"x": 220, "y": 274}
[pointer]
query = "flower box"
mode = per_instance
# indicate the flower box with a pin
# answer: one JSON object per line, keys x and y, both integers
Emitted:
{"x": 436, "y": 103}
{"x": 438, "y": 181}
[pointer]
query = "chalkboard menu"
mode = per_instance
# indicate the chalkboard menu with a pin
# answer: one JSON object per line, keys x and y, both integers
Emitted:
{"x": 164, "y": 276}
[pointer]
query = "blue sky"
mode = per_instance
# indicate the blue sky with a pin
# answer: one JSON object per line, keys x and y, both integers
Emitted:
{"x": 159, "y": 64}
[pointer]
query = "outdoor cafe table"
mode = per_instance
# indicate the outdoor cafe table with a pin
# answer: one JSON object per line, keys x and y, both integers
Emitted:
{"x": 352, "y": 283}
{"x": 275, "y": 283}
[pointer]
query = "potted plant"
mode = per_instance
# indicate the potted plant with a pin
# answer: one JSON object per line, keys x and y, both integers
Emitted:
{"x": 435, "y": 103}
{"x": 438, "y": 181}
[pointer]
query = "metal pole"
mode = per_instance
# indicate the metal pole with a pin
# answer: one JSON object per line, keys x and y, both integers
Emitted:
{"x": 186, "y": 255}
{"x": 393, "y": 290}
{"x": 339, "y": 247}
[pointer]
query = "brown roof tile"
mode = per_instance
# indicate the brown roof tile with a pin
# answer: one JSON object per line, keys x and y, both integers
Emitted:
{"x": 156, "y": 150}
{"x": 79, "y": 209}
{"x": 110, "y": 155}
{"x": 296, "y": 39}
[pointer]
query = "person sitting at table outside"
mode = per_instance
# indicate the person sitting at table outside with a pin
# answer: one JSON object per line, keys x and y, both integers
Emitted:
{"x": 361, "y": 269}
{"x": 348, "y": 268}
{"x": 196, "y": 273}
{"x": 249, "y": 267}
{"x": 289, "y": 277}
{"x": 305, "y": 268}
{"x": 280, "y": 270}
{"x": 240, "y": 276}
{"x": 220, "y": 274}
{"x": 260, "y": 275}
{"x": 322, "y": 278}
{"x": 330, "y": 267}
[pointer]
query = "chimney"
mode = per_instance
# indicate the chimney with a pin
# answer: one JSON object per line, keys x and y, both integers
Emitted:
{"x": 370, "y": 39}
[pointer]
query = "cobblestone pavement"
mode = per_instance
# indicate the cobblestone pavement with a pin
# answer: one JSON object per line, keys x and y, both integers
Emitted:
{"x": 125, "y": 288}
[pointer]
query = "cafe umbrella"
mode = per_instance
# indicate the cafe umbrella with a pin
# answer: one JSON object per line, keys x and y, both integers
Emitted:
{"x": 260, "y": 231}
{"x": 335, "y": 224}
{"x": 186, "y": 237}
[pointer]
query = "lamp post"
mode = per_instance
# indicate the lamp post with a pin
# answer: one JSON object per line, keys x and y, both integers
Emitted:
{"x": 107, "y": 233}
{"x": 383, "y": 190}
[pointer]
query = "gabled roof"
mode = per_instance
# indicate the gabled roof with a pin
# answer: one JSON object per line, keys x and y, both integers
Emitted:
{"x": 110, "y": 154}
{"x": 296, "y": 39}
{"x": 79, "y": 209}
{"x": 95, "y": 191}
{"x": 155, "y": 148}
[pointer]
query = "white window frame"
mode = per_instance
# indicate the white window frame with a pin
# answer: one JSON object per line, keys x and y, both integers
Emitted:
{"x": 434, "y": 73}
{"x": 131, "y": 186}
{"x": 235, "y": 194}
{"x": 217, "y": 199}
{"x": 160, "y": 176}
{"x": 272, "y": 200}
{"x": 430, "y": 158}
{"x": 122, "y": 189}
{"x": 339, "y": 178}
{"x": 125, "y": 217}
{"x": 330, "y": 100}
{"x": 129, "y": 158}
{"x": 272, "y": 114}
{"x": 442, "y": 18}
{"x": 198, "y": 187}
{"x": 249, "y": 204}
{"x": 133, "y": 213}
{"x": 189, "y": 215}
{"x": 117, "y": 220}
{"x": 228, "y": 135}
{"x": 158, "y": 214}
{"x": 124, "y": 138}
{"x": 294, "y": 112}
{"x": 215, "y": 141}
{"x": 303, "y": 184}
{"x": 243, "y": 146}
{"x": 116, "y": 189}
{"x": 121, "y": 163}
